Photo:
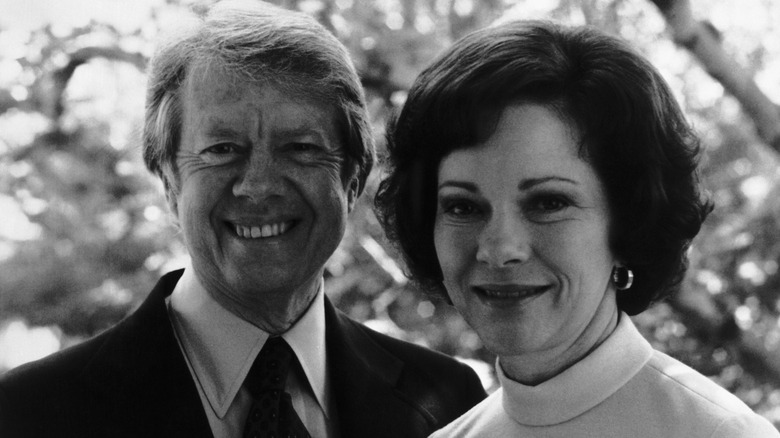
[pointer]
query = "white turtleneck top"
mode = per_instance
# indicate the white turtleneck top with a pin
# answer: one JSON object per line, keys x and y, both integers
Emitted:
{"x": 623, "y": 388}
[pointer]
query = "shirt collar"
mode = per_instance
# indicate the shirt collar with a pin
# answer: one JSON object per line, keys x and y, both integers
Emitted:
{"x": 582, "y": 386}
{"x": 221, "y": 347}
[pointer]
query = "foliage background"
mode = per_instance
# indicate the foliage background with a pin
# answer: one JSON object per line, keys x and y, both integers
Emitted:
{"x": 85, "y": 234}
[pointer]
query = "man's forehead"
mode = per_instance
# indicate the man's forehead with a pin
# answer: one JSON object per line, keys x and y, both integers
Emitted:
{"x": 207, "y": 82}
{"x": 218, "y": 104}
{"x": 232, "y": 82}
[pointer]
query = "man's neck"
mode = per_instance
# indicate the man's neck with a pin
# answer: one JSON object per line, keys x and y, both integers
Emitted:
{"x": 273, "y": 312}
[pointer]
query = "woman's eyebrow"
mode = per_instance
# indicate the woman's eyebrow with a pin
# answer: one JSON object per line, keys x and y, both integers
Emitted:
{"x": 471, "y": 187}
{"x": 524, "y": 184}
{"x": 532, "y": 182}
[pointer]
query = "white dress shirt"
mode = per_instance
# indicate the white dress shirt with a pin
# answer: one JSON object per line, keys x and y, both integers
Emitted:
{"x": 220, "y": 348}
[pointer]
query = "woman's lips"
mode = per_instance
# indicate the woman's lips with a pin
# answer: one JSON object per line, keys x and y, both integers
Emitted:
{"x": 508, "y": 292}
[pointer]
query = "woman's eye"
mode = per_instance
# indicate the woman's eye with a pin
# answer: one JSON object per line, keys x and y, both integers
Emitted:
{"x": 551, "y": 204}
{"x": 548, "y": 208}
{"x": 460, "y": 209}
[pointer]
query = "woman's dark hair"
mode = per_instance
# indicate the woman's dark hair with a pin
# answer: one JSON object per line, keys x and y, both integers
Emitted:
{"x": 632, "y": 131}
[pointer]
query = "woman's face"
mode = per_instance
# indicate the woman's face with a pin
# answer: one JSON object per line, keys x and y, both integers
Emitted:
{"x": 521, "y": 234}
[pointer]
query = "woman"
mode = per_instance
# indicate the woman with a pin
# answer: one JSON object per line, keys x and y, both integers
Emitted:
{"x": 546, "y": 178}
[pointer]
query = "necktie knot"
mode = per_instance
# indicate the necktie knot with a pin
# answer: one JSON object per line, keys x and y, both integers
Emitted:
{"x": 272, "y": 413}
{"x": 269, "y": 371}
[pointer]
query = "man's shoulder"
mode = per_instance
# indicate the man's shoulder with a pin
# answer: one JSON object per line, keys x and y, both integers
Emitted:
{"x": 53, "y": 384}
{"x": 427, "y": 367}
{"x": 71, "y": 361}
{"x": 439, "y": 387}
{"x": 411, "y": 353}
{"x": 408, "y": 352}
{"x": 77, "y": 387}
{"x": 48, "y": 371}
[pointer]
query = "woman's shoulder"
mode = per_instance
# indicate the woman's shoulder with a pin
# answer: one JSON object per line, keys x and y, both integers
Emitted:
{"x": 674, "y": 385}
{"x": 682, "y": 382}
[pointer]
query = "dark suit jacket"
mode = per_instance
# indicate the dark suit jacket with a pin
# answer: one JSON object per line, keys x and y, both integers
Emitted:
{"x": 133, "y": 381}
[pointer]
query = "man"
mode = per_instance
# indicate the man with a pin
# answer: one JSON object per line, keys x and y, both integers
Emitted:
{"x": 257, "y": 126}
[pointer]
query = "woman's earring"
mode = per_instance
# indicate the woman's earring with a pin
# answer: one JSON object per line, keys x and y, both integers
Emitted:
{"x": 622, "y": 277}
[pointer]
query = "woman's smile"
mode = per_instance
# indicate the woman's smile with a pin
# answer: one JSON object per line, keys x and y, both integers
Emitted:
{"x": 507, "y": 294}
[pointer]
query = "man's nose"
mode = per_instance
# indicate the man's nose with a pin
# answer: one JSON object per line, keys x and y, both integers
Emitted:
{"x": 504, "y": 241}
{"x": 259, "y": 178}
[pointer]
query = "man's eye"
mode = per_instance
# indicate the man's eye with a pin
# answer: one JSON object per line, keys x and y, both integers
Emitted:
{"x": 222, "y": 148}
{"x": 303, "y": 147}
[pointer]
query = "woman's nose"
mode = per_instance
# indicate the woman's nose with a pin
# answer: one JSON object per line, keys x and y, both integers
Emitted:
{"x": 504, "y": 241}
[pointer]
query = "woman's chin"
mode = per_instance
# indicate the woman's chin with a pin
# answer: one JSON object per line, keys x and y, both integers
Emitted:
{"x": 511, "y": 338}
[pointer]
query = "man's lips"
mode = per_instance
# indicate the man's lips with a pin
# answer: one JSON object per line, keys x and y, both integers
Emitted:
{"x": 508, "y": 291}
{"x": 262, "y": 230}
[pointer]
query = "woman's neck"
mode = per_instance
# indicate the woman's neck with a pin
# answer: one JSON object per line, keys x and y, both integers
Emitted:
{"x": 535, "y": 367}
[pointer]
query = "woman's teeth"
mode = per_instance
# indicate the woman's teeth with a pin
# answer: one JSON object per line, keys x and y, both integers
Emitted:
{"x": 502, "y": 294}
{"x": 511, "y": 294}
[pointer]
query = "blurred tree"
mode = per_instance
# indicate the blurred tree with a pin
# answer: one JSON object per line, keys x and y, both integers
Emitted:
{"x": 83, "y": 227}
{"x": 85, "y": 233}
{"x": 742, "y": 323}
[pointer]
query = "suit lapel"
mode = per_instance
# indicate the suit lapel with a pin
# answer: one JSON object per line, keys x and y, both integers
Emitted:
{"x": 142, "y": 372}
{"x": 365, "y": 377}
{"x": 146, "y": 387}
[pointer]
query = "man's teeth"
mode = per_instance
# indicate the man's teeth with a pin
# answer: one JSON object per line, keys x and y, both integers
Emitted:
{"x": 267, "y": 230}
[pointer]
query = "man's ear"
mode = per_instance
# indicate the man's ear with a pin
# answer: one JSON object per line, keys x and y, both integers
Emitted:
{"x": 171, "y": 196}
{"x": 353, "y": 188}
{"x": 173, "y": 207}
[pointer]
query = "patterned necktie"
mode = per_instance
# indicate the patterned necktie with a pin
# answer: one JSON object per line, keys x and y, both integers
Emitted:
{"x": 271, "y": 414}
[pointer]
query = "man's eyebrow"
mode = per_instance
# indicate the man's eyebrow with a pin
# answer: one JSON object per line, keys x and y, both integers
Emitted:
{"x": 299, "y": 131}
{"x": 219, "y": 130}
{"x": 532, "y": 182}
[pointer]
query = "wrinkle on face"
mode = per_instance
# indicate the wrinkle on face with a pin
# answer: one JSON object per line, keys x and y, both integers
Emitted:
{"x": 251, "y": 155}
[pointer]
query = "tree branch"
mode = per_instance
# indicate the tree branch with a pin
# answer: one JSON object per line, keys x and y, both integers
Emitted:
{"x": 703, "y": 40}
{"x": 58, "y": 79}
{"x": 716, "y": 326}
{"x": 46, "y": 93}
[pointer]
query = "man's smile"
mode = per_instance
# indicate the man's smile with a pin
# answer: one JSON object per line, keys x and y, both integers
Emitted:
{"x": 263, "y": 230}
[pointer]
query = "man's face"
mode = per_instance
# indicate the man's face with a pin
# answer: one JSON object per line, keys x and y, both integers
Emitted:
{"x": 261, "y": 202}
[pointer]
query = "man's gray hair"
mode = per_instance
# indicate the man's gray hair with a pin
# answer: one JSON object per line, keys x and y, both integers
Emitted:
{"x": 255, "y": 42}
